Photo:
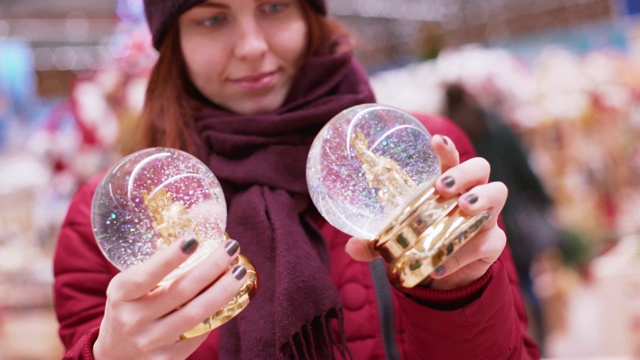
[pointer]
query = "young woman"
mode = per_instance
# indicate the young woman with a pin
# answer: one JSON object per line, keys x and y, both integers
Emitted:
{"x": 245, "y": 85}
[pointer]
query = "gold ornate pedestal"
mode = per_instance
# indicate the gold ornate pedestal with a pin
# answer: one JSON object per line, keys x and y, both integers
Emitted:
{"x": 233, "y": 307}
{"x": 424, "y": 235}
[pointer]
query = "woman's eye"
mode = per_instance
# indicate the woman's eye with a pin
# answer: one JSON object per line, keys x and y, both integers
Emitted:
{"x": 214, "y": 20}
{"x": 274, "y": 8}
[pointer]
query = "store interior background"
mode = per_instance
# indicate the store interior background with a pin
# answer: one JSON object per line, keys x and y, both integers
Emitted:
{"x": 563, "y": 75}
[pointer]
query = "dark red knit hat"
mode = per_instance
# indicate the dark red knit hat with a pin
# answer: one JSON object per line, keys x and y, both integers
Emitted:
{"x": 162, "y": 13}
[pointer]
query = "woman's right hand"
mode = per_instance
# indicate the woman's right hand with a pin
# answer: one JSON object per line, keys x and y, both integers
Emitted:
{"x": 143, "y": 320}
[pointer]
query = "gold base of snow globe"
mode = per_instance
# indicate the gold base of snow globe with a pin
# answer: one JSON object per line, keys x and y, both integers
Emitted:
{"x": 424, "y": 235}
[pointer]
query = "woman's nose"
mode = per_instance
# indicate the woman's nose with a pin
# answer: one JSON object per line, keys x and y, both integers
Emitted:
{"x": 251, "y": 40}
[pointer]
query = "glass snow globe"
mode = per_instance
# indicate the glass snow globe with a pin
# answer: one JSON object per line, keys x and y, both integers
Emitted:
{"x": 155, "y": 197}
{"x": 371, "y": 173}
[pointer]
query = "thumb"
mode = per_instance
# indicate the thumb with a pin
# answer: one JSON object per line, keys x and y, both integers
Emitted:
{"x": 361, "y": 249}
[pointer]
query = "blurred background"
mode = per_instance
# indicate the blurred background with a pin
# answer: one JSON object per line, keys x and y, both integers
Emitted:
{"x": 548, "y": 91}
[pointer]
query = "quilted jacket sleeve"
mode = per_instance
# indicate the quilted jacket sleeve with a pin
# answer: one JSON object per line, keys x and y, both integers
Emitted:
{"x": 82, "y": 275}
{"x": 485, "y": 320}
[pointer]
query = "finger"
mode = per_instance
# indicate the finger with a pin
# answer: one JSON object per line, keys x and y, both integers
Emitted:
{"x": 491, "y": 197}
{"x": 475, "y": 257}
{"x": 174, "y": 348}
{"x": 203, "y": 306}
{"x": 459, "y": 179}
{"x": 447, "y": 152}
{"x": 361, "y": 250}
{"x": 185, "y": 347}
{"x": 190, "y": 284}
{"x": 140, "y": 279}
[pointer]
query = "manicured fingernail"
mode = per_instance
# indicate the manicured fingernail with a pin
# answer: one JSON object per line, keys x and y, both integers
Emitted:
{"x": 231, "y": 247}
{"x": 239, "y": 272}
{"x": 471, "y": 198}
{"x": 189, "y": 246}
{"x": 448, "y": 181}
{"x": 444, "y": 140}
{"x": 440, "y": 270}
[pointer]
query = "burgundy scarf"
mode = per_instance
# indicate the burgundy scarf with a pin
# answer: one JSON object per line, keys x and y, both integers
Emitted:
{"x": 260, "y": 161}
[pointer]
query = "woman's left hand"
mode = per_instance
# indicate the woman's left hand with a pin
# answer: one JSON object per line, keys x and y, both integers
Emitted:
{"x": 470, "y": 181}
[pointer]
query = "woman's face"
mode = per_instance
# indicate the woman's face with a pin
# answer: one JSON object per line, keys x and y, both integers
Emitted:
{"x": 244, "y": 54}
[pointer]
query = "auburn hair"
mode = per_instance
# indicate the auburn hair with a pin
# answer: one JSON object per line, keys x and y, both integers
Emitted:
{"x": 172, "y": 100}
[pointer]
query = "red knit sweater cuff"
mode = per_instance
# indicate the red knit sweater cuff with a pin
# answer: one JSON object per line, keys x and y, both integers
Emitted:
{"x": 90, "y": 339}
{"x": 450, "y": 299}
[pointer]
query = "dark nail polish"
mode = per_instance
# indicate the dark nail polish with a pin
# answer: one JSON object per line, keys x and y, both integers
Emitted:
{"x": 448, "y": 181}
{"x": 445, "y": 141}
{"x": 189, "y": 246}
{"x": 239, "y": 272}
{"x": 471, "y": 198}
{"x": 231, "y": 247}
{"x": 440, "y": 270}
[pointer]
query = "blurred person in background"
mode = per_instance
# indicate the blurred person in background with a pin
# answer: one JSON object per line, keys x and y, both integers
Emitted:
{"x": 527, "y": 211}
{"x": 246, "y": 85}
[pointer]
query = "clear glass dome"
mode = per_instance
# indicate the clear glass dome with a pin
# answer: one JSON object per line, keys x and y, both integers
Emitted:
{"x": 366, "y": 165}
{"x": 153, "y": 198}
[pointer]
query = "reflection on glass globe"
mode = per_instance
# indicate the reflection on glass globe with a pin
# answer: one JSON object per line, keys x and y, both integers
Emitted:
{"x": 153, "y": 198}
{"x": 366, "y": 164}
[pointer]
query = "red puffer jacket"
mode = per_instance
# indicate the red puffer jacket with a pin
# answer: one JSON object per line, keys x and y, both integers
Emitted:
{"x": 484, "y": 320}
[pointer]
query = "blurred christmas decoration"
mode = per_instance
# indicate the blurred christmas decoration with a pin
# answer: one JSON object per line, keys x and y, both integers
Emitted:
{"x": 578, "y": 116}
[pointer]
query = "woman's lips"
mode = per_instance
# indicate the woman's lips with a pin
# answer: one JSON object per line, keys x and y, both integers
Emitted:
{"x": 256, "y": 82}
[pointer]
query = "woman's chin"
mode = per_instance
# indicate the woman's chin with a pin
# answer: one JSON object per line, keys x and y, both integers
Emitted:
{"x": 256, "y": 107}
